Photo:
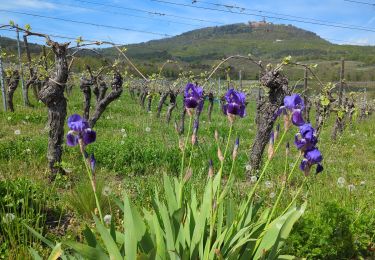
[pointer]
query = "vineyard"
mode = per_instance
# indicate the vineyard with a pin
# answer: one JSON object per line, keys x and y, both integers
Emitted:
{"x": 107, "y": 160}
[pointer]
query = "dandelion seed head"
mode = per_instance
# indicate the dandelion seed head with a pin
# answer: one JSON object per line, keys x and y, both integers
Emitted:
{"x": 106, "y": 191}
{"x": 122, "y": 130}
{"x": 148, "y": 129}
{"x": 351, "y": 187}
{"x": 272, "y": 195}
{"x": 8, "y": 218}
{"x": 248, "y": 167}
{"x": 341, "y": 182}
{"x": 253, "y": 179}
{"x": 107, "y": 219}
{"x": 17, "y": 132}
{"x": 9, "y": 118}
{"x": 268, "y": 184}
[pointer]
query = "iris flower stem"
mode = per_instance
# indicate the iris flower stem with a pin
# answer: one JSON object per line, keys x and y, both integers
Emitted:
{"x": 295, "y": 196}
{"x": 183, "y": 162}
{"x": 214, "y": 212}
{"x": 250, "y": 195}
{"x": 89, "y": 174}
{"x": 228, "y": 184}
{"x": 191, "y": 155}
{"x": 282, "y": 190}
{"x": 222, "y": 162}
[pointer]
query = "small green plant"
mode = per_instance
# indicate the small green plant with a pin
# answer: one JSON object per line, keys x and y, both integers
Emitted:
{"x": 21, "y": 202}
{"x": 184, "y": 227}
{"x": 333, "y": 234}
{"x": 83, "y": 203}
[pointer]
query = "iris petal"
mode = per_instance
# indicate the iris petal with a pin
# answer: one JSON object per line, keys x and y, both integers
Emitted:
{"x": 319, "y": 168}
{"x": 77, "y": 123}
{"x": 191, "y": 102}
{"x": 303, "y": 165}
{"x": 294, "y": 102}
{"x": 314, "y": 156}
{"x": 297, "y": 118}
{"x": 71, "y": 139}
{"x": 233, "y": 108}
{"x": 88, "y": 136}
{"x": 92, "y": 162}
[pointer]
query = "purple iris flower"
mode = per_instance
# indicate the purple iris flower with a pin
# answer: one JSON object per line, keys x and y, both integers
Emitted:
{"x": 79, "y": 130}
{"x": 294, "y": 105}
{"x": 312, "y": 157}
{"x": 294, "y": 102}
{"x": 193, "y": 96}
{"x": 200, "y": 105}
{"x": 272, "y": 138}
{"x": 306, "y": 139}
{"x": 235, "y": 103}
{"x": 92, "y": 162}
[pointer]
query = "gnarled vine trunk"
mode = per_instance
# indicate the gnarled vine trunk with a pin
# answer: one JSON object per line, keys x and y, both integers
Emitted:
{"x": 265, "y": 118}
{"x": 182, "y": 121}
{"x": 163, "y": 97}
{"x": 85, "y": 86}
{"x": 52, "y": 95}
{"x": 171, "y": 106}
{"x": 149, "y": 102}
{"x": 103, "y": 103}
{"x": 210, "y": 105}
{"x": 12, "y": 83}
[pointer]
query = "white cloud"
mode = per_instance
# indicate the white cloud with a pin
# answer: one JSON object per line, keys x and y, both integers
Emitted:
{"x": 27, "y": 4}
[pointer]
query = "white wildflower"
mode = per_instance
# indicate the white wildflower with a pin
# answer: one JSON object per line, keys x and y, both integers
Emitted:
{"x": 268, "y": 184}
{"x": 107, "y": 219}
{"x": 8, "y": 218}
{"x": 351, "y": 187}
{"x": 341, "y": 182}
{"x": 253, "y": 179}
{"x": 106, "y": 191}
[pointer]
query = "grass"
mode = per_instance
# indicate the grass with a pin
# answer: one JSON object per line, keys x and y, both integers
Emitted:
{"x": 131, "y": 158}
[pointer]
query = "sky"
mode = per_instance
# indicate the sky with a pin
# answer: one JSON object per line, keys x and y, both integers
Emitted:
{"x": 134, "y": 21}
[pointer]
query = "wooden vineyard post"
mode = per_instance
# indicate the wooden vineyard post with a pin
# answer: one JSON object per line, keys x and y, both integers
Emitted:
{"x": 339, "y": 124}
{"x": 25, "y": 99}
{"x": 2, "y": 83}
{"x": 240, "y": 78}
{"x": 306, "y": 110}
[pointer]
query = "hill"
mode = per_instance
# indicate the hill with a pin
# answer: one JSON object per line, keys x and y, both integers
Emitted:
{"x": 199, "y": 49}
{"x": 264, "y": 40}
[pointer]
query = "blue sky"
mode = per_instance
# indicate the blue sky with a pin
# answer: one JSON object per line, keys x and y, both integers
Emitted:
{"x": 148, "y": 26}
